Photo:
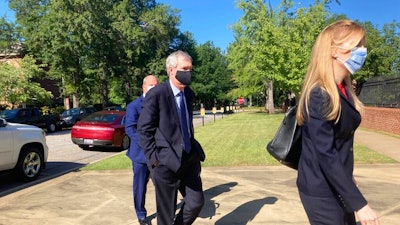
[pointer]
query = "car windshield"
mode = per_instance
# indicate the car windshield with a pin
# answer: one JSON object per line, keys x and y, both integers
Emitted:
{"x": 69, "y": 112}
{"x": 7, "y": 114}
{"x": 117, "y": 108}
{"x": 101, "y": 118}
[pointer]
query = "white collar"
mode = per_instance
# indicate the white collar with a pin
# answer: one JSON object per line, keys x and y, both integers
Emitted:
{"x": 175, "y": 90}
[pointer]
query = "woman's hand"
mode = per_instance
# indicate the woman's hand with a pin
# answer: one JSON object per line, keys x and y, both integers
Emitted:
{"x": 367, "y": 216}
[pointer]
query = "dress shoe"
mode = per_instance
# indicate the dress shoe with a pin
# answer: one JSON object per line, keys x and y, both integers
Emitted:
{"x": 144, "y": 222}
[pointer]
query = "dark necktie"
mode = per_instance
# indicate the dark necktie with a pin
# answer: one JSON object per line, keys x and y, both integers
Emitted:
{"x": 184, "y": 124}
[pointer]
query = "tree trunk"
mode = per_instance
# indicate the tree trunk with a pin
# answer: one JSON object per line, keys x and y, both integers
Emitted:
{"x": 269, "y": 98}
{"x": 105, "y": 93}
{"x": 66, "y": 103}
{"x": 250, "y": 103}
{"x": 128, "y": 93}
{"x": 75, "y": 101}
{"x": 75, "y": 96}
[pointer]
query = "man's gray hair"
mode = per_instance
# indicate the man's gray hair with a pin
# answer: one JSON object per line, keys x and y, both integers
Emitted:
{"x": 172, "y": 59}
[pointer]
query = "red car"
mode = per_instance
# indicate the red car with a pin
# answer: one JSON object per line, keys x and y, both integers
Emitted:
{"x": 101, "y": 129}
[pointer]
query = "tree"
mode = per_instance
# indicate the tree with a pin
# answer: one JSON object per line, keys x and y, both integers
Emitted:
{"x": 391, "y": 36}
{"x": 9, "y": 38}
{"x": 17, "y": 86}
{"x": 16, "y": 78}
{"x": 96, "y": 47}
{"x": 383, "y": 55}
{"x": 272, "y": 47}
{"x": 212, "y": 78}
{"x": 147, "y": 35}
{"x": 244, "y": 53}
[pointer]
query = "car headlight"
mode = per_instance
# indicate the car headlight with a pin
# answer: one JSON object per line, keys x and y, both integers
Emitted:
{"x": 68, "y": 118}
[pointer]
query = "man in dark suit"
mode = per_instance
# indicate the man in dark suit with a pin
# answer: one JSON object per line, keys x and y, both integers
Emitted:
{"x": 136, "y": 154}
{"x": 166, "y": 135}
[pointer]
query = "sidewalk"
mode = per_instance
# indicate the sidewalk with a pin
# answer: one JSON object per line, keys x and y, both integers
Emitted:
{"x": 234, "y": 195}
{"x": 384, "y": 144}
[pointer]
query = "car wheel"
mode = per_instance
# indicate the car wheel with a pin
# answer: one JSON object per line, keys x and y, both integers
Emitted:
{"x": 51, "y": 127}
{"x": 125, "y": 142}
{"x": 30, "y": 164}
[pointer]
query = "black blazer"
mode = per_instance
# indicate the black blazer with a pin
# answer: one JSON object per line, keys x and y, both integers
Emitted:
{"x": 327, "y": 160}
{"x": 159, "y": 130}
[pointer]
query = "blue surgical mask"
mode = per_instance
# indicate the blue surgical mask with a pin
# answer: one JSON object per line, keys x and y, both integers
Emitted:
{"x": 356, "y": 60}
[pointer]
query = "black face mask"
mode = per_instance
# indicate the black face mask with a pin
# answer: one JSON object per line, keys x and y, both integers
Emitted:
{"x": 185, "y": 77}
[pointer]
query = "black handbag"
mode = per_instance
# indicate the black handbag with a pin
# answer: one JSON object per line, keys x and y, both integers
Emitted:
{"x": 286, "y": 145}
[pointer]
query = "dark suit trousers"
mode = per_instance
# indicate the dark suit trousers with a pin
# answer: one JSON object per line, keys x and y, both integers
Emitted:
{"x": 326, "y": 211}
{"x": 167, "y": 183}
{"x": 140, "y": 179}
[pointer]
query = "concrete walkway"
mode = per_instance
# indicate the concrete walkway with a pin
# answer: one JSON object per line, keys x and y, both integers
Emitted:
{"x": 385, "y": 144}
{"x": 234, "y": 195}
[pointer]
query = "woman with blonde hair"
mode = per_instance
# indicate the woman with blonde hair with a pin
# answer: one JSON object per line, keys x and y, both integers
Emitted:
{"x": 329, "y": 113}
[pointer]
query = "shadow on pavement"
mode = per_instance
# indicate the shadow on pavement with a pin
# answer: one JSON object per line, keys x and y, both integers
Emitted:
{"x": 10, "y": 184}
{"x": 102, "y": 149}
{"x": 245, "y": 212}
{"x": 210, "y": 205}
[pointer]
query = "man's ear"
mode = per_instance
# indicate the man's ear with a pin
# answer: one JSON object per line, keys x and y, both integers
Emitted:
{"x": 169, "y": 70}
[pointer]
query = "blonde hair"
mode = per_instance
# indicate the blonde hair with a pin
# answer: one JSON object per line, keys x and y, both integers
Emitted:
{"x": 345, "y": 34}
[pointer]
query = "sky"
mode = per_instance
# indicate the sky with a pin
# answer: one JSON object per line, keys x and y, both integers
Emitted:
{"x": 210, "y": 20}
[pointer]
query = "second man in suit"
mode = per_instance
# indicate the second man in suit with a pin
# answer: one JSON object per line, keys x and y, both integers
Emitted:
{"x": 135, "y": 153}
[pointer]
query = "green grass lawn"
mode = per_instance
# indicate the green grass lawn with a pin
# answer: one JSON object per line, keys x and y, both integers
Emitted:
{"x": 239, "y": 140}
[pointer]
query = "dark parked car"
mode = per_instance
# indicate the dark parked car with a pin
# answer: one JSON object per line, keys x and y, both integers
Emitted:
{"x": 31, "y": 116}
{"x": 102, "y": 129}
{"x": 69, "y": 117}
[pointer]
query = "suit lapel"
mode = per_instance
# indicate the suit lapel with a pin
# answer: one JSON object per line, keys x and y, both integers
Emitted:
{"x": 350, "y": 115}
{"x": 171, "y": 101}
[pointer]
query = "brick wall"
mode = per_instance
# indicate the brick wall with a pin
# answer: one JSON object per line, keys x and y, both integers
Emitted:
{"x": 383, "y": 119}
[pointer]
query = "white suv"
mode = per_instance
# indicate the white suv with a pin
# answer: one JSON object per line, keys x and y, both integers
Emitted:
{"x": 23, "y": 150}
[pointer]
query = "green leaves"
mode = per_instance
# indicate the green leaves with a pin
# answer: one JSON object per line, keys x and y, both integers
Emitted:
{"x": 274, "y": 46}
{"x": 17, "y": 83}
{"x": 212, "y": 78}
{"x": 99, "y": 51}
{"x": 93, "y": 45}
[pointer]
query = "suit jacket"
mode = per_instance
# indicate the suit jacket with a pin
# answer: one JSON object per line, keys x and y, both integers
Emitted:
{"x": 159, "y": 129}
{"x": 326, "y": 161}
{"x": 133, "y": 109}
